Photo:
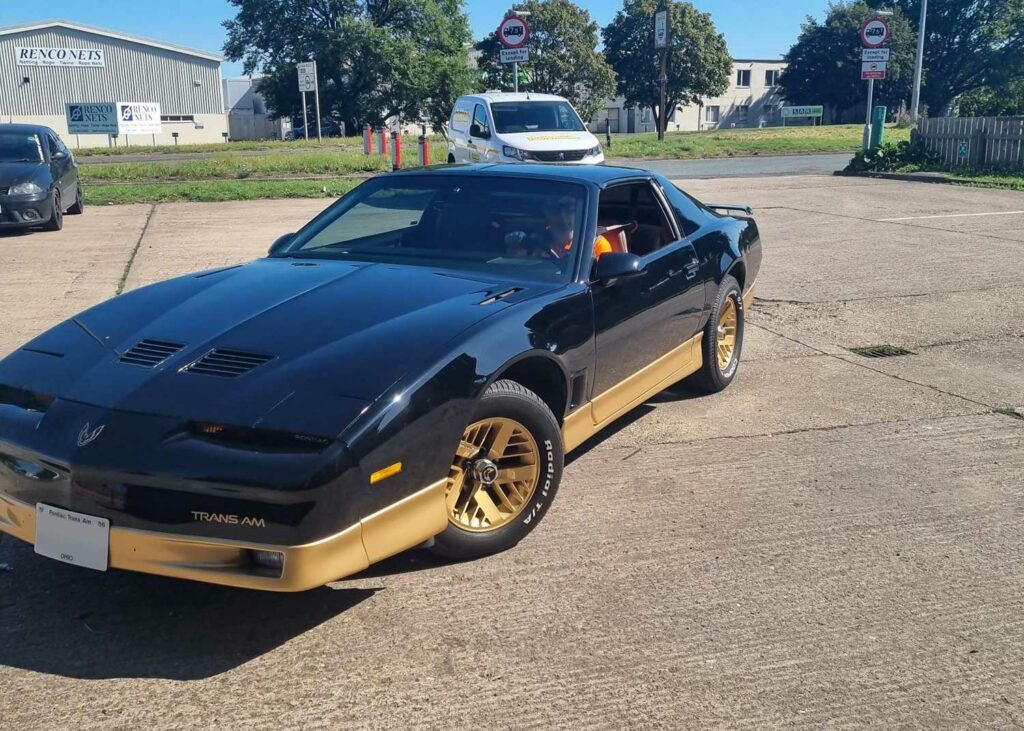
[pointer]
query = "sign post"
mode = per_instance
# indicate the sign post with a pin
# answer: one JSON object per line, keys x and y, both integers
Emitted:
{"x": 661, "y": 41}
{"x": 874, "y": 34}
{"x": 307, "y": 82}
{"x": 514, "y": 35}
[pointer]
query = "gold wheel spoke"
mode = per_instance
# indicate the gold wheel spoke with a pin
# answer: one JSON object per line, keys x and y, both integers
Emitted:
{"x": 522, "y": 473}
{"x": 455, "y": 485}
{"x": 467, "y": 450}
{"x": 487, "y": 506}
{"x": 500, "y": 444}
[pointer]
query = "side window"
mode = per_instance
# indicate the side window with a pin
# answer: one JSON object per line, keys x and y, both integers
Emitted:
{"x": 636, "y": 218}
{"x": 689, "y": 214}
{"x": 480, "y": 120}
{"x": 54, "y": 145}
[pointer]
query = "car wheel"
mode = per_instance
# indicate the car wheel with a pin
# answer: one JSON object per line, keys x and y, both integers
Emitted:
{"x": 56, "y": 222}
{"x": 723, "y": 339}
{"x": 79, "y": 205}
{"x": 504, "y": 476}
{"x": 451, "y": 159}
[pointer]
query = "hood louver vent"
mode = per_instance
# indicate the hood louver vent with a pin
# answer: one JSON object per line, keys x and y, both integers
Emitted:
{"x": 227, "y": 363}
{"x": 150, "y": 353}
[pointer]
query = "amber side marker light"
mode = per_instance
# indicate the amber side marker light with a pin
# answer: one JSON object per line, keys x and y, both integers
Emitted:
{"x": 385, "y": 473}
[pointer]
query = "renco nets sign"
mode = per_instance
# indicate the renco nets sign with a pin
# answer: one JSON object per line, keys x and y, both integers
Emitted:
{"x": 138, "y": 118}
{"x": 97, "y": 118}
{"x": 39, "y": 56}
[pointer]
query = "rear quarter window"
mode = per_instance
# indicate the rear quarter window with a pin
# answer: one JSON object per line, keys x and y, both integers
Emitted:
{"x": 460, "y": 117}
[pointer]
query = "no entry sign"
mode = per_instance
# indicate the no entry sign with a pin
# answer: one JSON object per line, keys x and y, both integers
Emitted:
{"x": 874, "y": 33}
{"x": 514, "y": 32}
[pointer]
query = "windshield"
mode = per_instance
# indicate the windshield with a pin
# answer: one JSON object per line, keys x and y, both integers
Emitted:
{"x": 20, "y": 147}
{"x": 512, "y": 117}
{"x": 509, "y": 227}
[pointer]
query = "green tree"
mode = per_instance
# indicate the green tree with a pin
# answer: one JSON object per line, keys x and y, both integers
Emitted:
{"x": 698, "y": 63}
{"x": 564, "y": 59}
{"x": 970, "y": 44}
{"x": 1004, "y": 101}
{"x": 376, "y": 59}
{"x": 824, "y": 65}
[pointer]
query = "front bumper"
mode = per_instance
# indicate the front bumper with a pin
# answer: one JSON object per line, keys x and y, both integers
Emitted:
{"x": 398, "y": 527}
{"x": 25, "y": 210}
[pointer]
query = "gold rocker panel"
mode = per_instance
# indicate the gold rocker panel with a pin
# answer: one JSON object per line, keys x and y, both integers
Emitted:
{"x": 407, "y": 523}
{"x": 595, "y": 415}
{"x": 621, "y": 398}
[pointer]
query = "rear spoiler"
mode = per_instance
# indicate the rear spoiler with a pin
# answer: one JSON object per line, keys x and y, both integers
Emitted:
{"x": 747, "y": 210}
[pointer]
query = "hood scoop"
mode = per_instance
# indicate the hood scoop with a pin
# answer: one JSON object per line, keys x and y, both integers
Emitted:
{"x": 499, "y": 296}
{"x": 150, "y": 353}
{"x": 225, "y": 363}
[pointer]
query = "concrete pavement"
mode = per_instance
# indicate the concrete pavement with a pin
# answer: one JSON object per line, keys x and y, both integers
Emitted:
{"x": 832, "y": 541}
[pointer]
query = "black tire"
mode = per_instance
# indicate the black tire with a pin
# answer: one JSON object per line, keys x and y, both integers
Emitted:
{"x": 451, "y": 159}
{"x": 56, "y": 222}
{"x": 78, "y": 207}
{"x": 510, "y": 400}
{"x": 712, "y": 377}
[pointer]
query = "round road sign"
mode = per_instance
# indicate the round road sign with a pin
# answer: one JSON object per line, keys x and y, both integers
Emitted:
{"x": 874, "y": 33}
{"x": 513, "y": 32}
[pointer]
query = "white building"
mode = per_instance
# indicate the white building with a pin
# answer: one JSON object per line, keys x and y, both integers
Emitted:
{"x": 248, "y": 118}
{"x": 753, "y": 99}
{"x": 48, "y": 64}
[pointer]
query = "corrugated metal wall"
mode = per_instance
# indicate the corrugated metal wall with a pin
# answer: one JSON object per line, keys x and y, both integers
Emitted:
{"x": 133, "y": 73}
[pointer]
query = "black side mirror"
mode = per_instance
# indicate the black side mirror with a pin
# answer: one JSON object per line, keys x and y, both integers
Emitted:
{"x": 58, "y": 155}
{"x": 616, "y": 265}
{"x": 475, "y": 131}
{"x": 280, "y": 243}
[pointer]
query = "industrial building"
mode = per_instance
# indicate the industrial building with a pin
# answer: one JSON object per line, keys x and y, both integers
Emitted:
{"x": 48, "y": 64}
{"x": 753, "y": 99}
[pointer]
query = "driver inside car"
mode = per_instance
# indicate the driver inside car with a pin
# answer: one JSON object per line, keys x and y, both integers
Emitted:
{"x": 555, "y": 240}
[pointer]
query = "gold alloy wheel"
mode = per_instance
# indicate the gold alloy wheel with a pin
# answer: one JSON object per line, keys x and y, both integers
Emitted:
{"x": 494, "y": 476}
{"x": 727, "y": 322}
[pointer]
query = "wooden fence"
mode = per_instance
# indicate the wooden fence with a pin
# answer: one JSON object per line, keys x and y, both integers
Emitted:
{"x": 976, "y": 142}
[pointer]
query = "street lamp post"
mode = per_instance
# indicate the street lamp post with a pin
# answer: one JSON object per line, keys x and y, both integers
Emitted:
{"x": 661, "y": 41}
{"x": 915, "y": 103}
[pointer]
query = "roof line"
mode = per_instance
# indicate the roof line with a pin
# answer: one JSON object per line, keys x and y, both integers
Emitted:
{"x": 95, "y": 30}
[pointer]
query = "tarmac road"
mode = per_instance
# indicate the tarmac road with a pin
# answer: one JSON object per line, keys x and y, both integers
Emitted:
{"x": 832, "y": 541}
{"x": 742, "y": 167}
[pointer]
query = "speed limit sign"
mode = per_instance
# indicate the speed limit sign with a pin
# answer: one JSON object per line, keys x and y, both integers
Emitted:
{"x": 514, "y": 32}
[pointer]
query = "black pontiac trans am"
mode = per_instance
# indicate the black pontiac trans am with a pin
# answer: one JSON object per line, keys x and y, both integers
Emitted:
{"x": 411, "y": 367}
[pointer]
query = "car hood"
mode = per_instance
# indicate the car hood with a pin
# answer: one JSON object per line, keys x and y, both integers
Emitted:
{"x": 14, "y": 173}
{"x": 337, "y": 336}
{"x": 550, "y": 141}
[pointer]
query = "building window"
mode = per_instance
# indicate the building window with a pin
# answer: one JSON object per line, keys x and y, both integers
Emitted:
{"x": 177, "y": 118}
{"x": 743, "y": 77}
{"x": 771, "y": 77}
{"x": 742, "y": 112}
{"x": 646, "y": 116}
{"x": 712, "y": 114}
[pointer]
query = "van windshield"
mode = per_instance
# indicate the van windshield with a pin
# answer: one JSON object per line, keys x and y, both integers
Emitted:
{"x": 539, "y": 116}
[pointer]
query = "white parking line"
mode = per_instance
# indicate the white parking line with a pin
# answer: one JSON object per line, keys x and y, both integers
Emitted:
{"x": 954, "y": 215}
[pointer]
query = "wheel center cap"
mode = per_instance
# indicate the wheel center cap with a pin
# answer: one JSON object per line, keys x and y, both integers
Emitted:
{"x": 485, "y": 471}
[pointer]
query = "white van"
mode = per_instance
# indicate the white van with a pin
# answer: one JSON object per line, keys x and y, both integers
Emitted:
{"x": 500, "y": 127}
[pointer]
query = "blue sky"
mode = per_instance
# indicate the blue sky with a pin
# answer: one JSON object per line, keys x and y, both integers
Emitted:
{"x": 753, "y": 28}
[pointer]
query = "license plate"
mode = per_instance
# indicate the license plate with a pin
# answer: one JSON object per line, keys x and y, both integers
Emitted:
{"x": 82, "y": 540}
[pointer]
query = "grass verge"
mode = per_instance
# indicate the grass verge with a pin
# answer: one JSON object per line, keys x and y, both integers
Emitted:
{"x": 727, "y": 143}
{"x": 210, "y": 191}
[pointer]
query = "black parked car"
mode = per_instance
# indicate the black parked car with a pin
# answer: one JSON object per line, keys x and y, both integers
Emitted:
{"x": 38, "y": 178}
{"x": 411, "y": 366}
{"x": 328, "y": 128}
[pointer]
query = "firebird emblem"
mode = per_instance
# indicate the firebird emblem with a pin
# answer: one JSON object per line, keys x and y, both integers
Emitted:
{"x": 86, "y": 437}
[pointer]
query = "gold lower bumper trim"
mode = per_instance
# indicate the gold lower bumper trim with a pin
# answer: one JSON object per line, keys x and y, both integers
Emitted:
{"x": 398, "y": 527}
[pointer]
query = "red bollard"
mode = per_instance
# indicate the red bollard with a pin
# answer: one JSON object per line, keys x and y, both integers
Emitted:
{"x": 382, "y": 138}
{"x": 368, "y": 140}
{"x": 396, "y": 151}
{"x": 424, "y": 148}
